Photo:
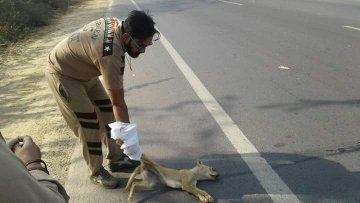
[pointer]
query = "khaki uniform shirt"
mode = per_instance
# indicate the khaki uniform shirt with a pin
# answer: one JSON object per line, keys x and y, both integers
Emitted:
{"x": 18, "y": 185}
{"x": 91, "y": 51}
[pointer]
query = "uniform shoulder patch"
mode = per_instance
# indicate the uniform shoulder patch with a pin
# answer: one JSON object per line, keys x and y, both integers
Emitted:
{"x": 109, "y": 34}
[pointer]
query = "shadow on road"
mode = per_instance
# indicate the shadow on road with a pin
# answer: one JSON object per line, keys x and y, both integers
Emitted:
{"x": 311, "y": 179}
{"x": 302, "y": 104}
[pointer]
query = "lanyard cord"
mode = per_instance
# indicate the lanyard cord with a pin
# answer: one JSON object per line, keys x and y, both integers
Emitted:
{"x": 129, "y": 61}
{"x": 122, "y": 32}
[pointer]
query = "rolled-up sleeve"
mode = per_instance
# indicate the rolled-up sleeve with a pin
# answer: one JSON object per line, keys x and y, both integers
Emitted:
{"x": 112, "y": 70}
{"x": 18, "y": 185}
{"x": 52, "y": 185}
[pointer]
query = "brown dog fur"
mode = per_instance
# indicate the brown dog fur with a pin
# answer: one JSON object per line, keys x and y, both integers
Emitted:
{"x": 186, "y": 179}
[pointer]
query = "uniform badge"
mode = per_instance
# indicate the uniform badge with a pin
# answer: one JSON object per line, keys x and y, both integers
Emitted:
{"x": 108, "y": 36}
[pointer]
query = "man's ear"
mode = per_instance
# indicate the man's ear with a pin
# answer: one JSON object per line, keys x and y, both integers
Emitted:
{"x": 125, "y": 37}
{"x": 198, "y": 162}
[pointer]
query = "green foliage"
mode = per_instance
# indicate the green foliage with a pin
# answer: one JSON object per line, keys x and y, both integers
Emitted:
{"x": 18, "y": 16}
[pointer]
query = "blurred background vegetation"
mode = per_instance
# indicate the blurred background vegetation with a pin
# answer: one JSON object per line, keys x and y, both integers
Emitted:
{"x": 18, "y": 17}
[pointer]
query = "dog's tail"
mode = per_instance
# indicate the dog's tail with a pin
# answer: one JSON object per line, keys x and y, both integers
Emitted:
{"x": 147, "y": 161}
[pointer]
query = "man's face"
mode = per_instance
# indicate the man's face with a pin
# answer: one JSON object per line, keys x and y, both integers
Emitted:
{"x": 134, "y": 47}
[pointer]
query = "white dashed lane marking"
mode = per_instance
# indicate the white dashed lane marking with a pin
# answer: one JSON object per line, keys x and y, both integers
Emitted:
{"x": 353, "y": 28}
{"x": 230, "y": 2}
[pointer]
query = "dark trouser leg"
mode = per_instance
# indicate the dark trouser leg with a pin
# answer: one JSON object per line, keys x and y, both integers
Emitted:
{"x": 104, "y": 109}
{"x": 79, "y": 113}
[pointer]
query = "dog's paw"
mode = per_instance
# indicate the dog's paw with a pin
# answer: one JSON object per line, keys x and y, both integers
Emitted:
{"x": 130, "y": 199}
{"x": 206, "y": 198}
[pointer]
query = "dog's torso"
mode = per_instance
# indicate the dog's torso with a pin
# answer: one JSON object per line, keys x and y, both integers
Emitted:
{"x": 156, "y": 173}
{"x": 185, "y": 179}
{"x": 169, "y": 177}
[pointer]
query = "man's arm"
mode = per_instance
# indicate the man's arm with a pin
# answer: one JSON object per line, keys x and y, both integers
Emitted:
{"x": 37, "y": 187}
{"x": 119, "y": 105}
{"x": 129, "y": 141}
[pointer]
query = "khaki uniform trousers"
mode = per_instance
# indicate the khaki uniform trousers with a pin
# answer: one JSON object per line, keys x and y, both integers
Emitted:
{"x": 87, "y": 110}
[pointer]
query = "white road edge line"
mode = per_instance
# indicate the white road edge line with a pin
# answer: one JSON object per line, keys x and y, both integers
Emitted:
{"x": 350, "y": 27}
{"x": 230, "y": 2}
{"x": 270, "y": 181}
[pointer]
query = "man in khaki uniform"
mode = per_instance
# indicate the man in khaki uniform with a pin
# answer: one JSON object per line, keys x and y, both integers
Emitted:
{"x": 74, "y": 66}
{"x": 23, "y": 178}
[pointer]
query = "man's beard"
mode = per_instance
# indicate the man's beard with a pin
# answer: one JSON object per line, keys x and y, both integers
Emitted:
{"x": 128, "y": 50}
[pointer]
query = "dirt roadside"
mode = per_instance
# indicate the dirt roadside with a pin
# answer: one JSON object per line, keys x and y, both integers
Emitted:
{"x": 26, "y": 104}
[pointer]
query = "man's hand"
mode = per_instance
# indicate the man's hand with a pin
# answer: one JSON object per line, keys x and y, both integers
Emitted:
{"x": 126, "y": 134}
{"x": 27, "y": 151}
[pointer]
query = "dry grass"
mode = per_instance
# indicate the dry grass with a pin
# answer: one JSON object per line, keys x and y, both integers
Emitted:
{"x": 19, "y": 17}
{"x": 26, "y": 105}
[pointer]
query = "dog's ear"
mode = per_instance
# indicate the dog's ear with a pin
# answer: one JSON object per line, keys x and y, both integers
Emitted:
{"x": 198, "y": 162}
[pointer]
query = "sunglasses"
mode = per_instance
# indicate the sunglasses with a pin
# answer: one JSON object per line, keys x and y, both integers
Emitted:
{"x": 141, "y": 46}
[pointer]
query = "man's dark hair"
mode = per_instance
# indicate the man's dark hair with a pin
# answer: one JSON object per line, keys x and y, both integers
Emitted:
{"x": 140, "y": 24}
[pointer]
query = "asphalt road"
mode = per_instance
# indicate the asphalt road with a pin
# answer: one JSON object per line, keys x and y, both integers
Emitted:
{"x": 281, "y": 89}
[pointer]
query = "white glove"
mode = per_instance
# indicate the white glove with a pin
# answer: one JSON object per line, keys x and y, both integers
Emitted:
{"x": 128, "y": 134}
{"x": 123, "y": 131}
{"x": 133, "y": 151}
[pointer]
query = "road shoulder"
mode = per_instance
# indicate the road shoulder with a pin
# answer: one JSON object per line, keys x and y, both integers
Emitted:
{"x": 26, "y": 105}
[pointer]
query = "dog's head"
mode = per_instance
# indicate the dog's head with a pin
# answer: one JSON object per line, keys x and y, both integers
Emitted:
{"x": 206, "y": 172}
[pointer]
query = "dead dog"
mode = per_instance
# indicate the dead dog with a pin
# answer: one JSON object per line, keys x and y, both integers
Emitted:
{"x": 186, "y": 179}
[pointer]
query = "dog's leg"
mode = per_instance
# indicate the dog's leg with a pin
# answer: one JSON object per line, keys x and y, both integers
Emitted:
{"x": 143, "y": 185}
{"x": 132, "y": 177}
{"x": 201, "y": 194}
